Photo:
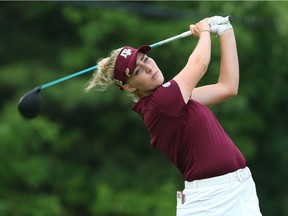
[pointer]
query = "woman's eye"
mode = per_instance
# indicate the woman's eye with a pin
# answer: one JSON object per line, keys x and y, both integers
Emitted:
{"x": 146, "y": 59}
{"x": 137, "y": 71}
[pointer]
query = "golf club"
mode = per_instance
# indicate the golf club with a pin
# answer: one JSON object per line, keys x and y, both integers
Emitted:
{"x": 29, "y": 104}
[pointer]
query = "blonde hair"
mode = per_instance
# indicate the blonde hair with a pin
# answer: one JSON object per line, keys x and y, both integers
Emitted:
{"x": 103, "y": 77}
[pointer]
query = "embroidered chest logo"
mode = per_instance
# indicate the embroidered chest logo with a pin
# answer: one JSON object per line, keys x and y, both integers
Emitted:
{"x": 167, "y": 84}
{"x": 126, "y": 52}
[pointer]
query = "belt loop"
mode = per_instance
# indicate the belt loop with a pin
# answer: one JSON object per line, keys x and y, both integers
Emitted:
{"x": 238, "y": 172}
{"x": 194, "y": 183}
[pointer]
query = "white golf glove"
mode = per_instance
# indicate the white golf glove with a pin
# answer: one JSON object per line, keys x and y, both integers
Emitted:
{"x": 216, "y": 25}
{"x": 215, "y": 20}
{"x": 219, "y": 29}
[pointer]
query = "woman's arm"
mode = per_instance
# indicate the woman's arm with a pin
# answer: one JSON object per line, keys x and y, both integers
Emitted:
{"x": 227, "y": 85}
{"x": 198, "y": 61}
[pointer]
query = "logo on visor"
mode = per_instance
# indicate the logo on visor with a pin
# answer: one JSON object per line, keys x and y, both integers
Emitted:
{"x": 126, "y": 52}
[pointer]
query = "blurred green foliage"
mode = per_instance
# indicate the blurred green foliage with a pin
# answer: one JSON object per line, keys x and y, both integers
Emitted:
{"x": 88, "y": 154}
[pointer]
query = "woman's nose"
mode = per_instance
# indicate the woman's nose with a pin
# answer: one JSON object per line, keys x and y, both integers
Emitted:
{"x": 148, "y": 69}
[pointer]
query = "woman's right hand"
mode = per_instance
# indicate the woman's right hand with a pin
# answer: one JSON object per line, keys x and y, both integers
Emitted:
{"x": 200, "y": 27}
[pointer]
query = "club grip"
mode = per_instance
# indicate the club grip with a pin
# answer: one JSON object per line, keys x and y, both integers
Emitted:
{"x": 225, "y": 20}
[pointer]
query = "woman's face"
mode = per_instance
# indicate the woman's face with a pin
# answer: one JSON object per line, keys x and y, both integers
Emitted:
{"x": 146, "y": 77}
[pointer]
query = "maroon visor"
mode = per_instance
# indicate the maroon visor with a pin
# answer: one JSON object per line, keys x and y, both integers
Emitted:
{"x": 126, "y": 63}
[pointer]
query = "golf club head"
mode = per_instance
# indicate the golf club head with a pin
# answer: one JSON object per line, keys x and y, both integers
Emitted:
{"x": 29, "y": 104}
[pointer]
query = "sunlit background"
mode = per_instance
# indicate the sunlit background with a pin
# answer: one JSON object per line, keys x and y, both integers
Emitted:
{"x": 89, "y": 154}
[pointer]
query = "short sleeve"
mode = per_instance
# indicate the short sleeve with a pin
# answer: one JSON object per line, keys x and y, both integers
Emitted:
{"x": 168, "y": 99}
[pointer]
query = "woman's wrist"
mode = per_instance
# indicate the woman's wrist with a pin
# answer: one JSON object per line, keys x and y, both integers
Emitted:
{"x": 205, "y": 30}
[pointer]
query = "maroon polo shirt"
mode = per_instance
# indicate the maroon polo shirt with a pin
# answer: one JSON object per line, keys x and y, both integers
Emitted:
{"x": 188, "y": 134}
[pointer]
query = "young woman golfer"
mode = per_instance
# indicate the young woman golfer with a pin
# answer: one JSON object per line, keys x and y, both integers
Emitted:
{"x": 181, "y": 125}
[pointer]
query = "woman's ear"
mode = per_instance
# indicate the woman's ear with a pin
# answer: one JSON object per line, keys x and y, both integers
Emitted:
{"x": 128, "y": 88}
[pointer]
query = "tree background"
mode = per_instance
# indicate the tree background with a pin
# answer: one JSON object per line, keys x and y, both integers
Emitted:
{"x": 88, "y": 154}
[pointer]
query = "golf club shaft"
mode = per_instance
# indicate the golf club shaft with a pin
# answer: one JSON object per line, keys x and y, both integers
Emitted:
{"x": 67, "y": 77}
{"x": 182, "y": 35}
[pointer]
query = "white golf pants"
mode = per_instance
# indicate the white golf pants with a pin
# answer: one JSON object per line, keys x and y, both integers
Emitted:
{"x": 233, "y": 194}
